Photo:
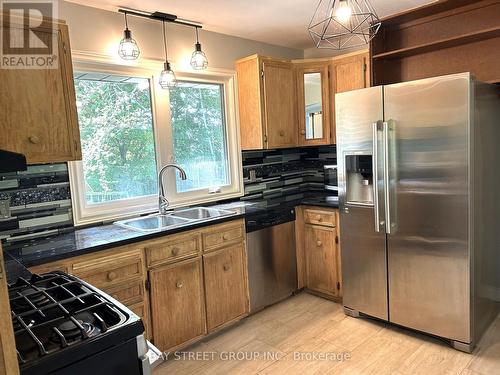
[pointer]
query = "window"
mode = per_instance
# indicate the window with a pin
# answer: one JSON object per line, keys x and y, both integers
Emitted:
{"x": 130, "y": 127}
{"x": 116, "y": 131}
{"x": 199, "y": 139}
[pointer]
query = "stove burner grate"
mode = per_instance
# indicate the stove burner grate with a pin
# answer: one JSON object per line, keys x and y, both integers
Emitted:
{"x": 54, "y": 311}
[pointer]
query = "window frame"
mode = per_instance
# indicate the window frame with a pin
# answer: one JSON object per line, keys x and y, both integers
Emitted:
{"x": 84, "y": 214}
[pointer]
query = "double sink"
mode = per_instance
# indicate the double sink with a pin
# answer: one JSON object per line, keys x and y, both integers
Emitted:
{"x": 175, "y": 219}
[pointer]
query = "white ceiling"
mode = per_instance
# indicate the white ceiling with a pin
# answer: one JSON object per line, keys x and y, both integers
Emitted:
{"x": 280, "y": 22}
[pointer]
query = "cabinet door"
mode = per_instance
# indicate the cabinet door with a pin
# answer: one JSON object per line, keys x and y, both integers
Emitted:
{"x": 321, "y": 254}
{"x": 346, "y": 74}
{"x": 177, "y": 305}
{"x": 250, "y": 103}
{"x": 225, "y": 285}
{"x": 313, "y": 103}
{"x": 280, "y": 104}
{"x": 38, "y": 107}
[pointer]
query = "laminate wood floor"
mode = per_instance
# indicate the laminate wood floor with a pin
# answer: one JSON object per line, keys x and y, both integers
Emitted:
{"x": 310, "y": 335}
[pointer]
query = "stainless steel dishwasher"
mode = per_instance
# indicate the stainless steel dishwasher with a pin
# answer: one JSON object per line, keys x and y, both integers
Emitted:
{"x": 272, "y": 263}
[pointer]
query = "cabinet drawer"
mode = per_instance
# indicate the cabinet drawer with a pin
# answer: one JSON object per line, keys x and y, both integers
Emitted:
{"x": 140, "y": 310}
{"x": 220, "y": 235}
{"x": 129, "y": 293}
{"x": 319, "y": 217}
{"x": 107, "y": 271}
{"x": 176, "y": 247}
{"x": 49, "y": 267}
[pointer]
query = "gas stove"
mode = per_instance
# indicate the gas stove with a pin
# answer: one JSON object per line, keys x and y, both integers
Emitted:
{"x": 64, "y": 325}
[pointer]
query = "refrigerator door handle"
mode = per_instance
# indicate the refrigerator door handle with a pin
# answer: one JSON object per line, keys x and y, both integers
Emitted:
{"x": 375, "y": 157}
{"x": 385, "y": 132}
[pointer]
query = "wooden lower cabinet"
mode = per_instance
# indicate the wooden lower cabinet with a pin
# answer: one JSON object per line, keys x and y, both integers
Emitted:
{"x": 318, "y": 252}
{"x": 225, "y": 285}
{"x": 177, "y": 303}
{"x": 321, "y": 254}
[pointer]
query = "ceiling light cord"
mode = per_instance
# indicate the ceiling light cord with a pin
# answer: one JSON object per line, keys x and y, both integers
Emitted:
{"x": 165, "y": 40}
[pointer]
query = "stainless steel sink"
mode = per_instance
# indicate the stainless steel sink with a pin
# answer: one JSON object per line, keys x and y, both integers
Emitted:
{"x": 175, "y": 219}
{"x": 153, "y": 223}
{"x": 201, "y": 213}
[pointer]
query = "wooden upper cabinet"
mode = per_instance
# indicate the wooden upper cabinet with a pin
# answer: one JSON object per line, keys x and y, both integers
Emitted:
{"x": 313, "y": 102}
{"x": 280, "y": 103}
{"x": 267, "y": 103}
{"x": 38, "y": 106}
{"x": 177, "y": 303}
{"x": 225, "y": 285}
{"x": 349, "y": 72}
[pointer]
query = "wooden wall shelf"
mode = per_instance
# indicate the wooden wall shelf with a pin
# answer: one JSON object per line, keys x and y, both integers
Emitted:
{"x": 445, "y": 37}
{"x": 440, "y": 44}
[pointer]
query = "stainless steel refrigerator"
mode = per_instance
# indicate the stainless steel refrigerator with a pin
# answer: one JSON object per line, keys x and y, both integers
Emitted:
{"x": 419, "y": 185}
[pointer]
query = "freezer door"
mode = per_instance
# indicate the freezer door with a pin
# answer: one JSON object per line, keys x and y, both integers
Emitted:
{"x": 428, "y": 246}
{"x": 360, "y": 165}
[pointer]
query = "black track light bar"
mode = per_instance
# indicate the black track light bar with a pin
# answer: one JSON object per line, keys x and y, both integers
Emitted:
{"x": 159, "y": 16}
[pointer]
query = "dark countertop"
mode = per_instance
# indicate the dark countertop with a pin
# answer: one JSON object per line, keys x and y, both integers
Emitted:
{"x": 97, "y": 238}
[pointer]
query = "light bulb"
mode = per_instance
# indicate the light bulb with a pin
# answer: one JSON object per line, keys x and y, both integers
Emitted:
{"x": 344, "y": 11}
{"x": 167, "y": 77}
{"x": 198, "y": 58}
{"x": 128, "y": 49}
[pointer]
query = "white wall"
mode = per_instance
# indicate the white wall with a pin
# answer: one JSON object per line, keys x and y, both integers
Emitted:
{"x": 99, "y": 31}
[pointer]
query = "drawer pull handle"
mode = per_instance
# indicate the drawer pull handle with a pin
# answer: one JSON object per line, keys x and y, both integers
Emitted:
{"x": 282, "y": 133}
{"x": 226, "y": 267}
{"x": 175, "y": 251}
{"x": 319, "y": 243}
{"x": 34, "y": 139}
{"x": 320, "y": 219}
{"x": 179, "y": 284}
{"x": 111, "y": 276}
{"x": 225, "y": 236}
{"x": 302, "y": 132}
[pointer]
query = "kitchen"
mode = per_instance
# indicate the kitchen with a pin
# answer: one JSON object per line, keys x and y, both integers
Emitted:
{"x": 227, "y": 191}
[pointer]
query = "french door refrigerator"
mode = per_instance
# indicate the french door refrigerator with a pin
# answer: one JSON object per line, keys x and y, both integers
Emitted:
{"x": 419, "y": 204}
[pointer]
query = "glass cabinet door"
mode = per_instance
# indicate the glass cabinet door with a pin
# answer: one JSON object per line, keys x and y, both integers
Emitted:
{"x": 313, "y": 103}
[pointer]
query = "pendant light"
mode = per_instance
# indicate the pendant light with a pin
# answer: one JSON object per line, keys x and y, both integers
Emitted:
{"x": 167, "y": 75}
{"x": 128, "y": 49}
{"x": 199, "y": 60}
{"x": 341, "y": 24}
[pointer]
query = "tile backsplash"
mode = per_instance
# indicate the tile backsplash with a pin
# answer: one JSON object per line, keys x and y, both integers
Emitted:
{"x": 276, "y": 176}
{"x": 40, "y": 198}
{"x": 40, "y": 202}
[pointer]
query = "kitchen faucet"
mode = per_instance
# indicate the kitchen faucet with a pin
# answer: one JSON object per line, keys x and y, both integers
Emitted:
{"x": 162, "y": 200}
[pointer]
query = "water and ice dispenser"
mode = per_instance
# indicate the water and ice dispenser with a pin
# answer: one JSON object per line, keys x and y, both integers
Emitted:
{"x": 359, "y": 179}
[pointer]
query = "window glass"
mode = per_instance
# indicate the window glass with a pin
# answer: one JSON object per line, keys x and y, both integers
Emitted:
{"x": 116, "y": 130}
{"x": 199, "y": 135}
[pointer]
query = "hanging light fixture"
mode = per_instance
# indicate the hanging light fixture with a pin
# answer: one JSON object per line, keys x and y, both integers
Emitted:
{"x": 167, "y": 75}
{"x": 199, "y": 60}
{"x": 341, "y": 24}
{"x": 128, "y": 49}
